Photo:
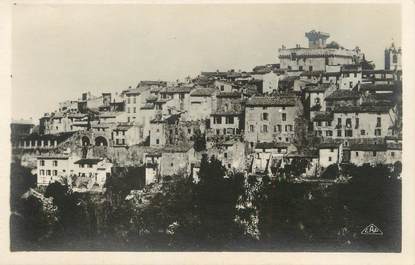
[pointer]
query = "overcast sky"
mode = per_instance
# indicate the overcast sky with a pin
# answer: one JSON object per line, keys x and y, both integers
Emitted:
{"x": 61, "y": 51}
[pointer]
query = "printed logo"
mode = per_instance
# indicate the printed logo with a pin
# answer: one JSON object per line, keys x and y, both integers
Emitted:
{"x": 372, "y": 230}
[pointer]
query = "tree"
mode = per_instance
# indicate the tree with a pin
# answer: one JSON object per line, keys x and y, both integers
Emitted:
{"x": 199, "y": 141}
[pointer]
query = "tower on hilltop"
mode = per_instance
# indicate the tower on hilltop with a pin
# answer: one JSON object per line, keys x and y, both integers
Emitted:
{"x": 317, "y": 39}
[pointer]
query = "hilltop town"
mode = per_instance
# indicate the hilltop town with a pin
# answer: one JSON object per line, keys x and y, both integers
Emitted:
{"x": 318, "y": 107}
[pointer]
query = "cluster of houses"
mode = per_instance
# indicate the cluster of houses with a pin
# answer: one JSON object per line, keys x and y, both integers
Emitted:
{"x": 322, "y": 103}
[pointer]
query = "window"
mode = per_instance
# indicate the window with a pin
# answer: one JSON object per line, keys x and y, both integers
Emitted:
{"x": 355, "y": 74}
{"x": 357, "y": 153}
{"x": 284, "y": 116}
{"x": 157, "y": 141}
{"x": 217, "y": 131}
{"x": 331, "y": 150}
{"x": 394, "y": 58}
{"x": 54, "y": 172}
{"x": 134, "y": 109}
{"x": 47, "y": 172}
{"x": 217, "y": 120}
{"x": 339, "y": 121}
{"x": 329, "y": 123}
{"x": 224, "y": 131}
{"x": 329, "y": 158}
{"x": 378, "y": 122}
{"x": 319, "y": 123}
{"x": 339, "y": 133}
{"x": 171, "y": 164}
{"x": 300, "y": 68}
{"x": 275, "y": 128}
{"x": 329, "y": 133}
{"x": 348, "y": 123}
{"x": 189, "y": 131}
{"x": 128, "y": 100}
{"x": 327, "y": 62}
{"x": 279, "y": 127}
{"x": 293, "y": 56}
{"x": 264, "y": 128}
{"x": 42, "y": 172}
{"x": 222, "y": 88}
{"x": 374, "y": 153}
{"x": 89, "y": 165}
{"x": 225, "y": 155}
{"x": 348, "y": 133}
{"x": 392, "y": 154}
{"x": 229, "y": 119}
{"x": 350, "y": 84}
{"x": 287, "y": 140}
{"x": 357, "y": 123}
{"x": 55, "y": 163}
{"x": 362, "y": 132}
{"x": 378, "y": 132}
{"x": 264, "y": 116}
{"x": 310, "y": 68}
{"x": 134, "y": 100}
{"x": 251, "y": 128}
{"x": 42, "y": 162}
{"x": 123, "y": 141}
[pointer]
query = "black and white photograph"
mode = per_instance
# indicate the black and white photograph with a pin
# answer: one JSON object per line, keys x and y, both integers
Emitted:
{"x": 213, "y": 127}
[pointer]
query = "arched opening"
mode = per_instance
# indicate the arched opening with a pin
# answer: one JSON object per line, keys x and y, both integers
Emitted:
{"x": 85, "y": 141}
{"x": 101, "y": 141}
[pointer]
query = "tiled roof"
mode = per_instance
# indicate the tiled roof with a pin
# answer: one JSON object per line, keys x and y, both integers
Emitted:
{"x": 89, "y": 161}
{"x": 323, "y": 116}
{"x": 271, "y": 145}
{"x": 152, "y": 83}
{"x": 123, "y": 127}
{"x": 343, "y": 94}
{"x": 331, "y": 74}
{"x": 148, "y": 106}
{"x": 53, "y": 156}
{"x": 378, "y": 87}
{"x": 175, "y": 90}
{"x": 271, "y": 101}
{"x": 311, "y": 73}
{"x": 368, "y": 147}
{"x": 233, "y": 94}
{"x": 134, "y": 91}
{"x": 363, "y": 109}
{"x": 202, "y": 92}
{"x": 151, "y": 98}
{"x": 317, "y": 88}
{"x": 394, "y": 146}
{"x": 226, "y": 113}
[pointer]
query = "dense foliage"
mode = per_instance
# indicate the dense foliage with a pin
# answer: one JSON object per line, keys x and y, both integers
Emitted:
{"x": 223, "y": 211}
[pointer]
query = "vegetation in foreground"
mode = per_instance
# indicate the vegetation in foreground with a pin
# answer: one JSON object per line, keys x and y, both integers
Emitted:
{"x": 221, "y": 212}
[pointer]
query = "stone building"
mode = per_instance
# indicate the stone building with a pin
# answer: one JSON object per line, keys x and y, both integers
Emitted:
{"x": 230, "y": 152}
{"x": 317, "y": 56}
{"x": 54, "y": 167}
{"x": 126, "y": 135}
{"x": 202, "y": 103}
{"x": 393, "y": 58}
{"x": 330, "y": 153}
{"x": 356, "y": 122}
{"x": 375, "y": 153}
{"x": 271, "y": 119}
